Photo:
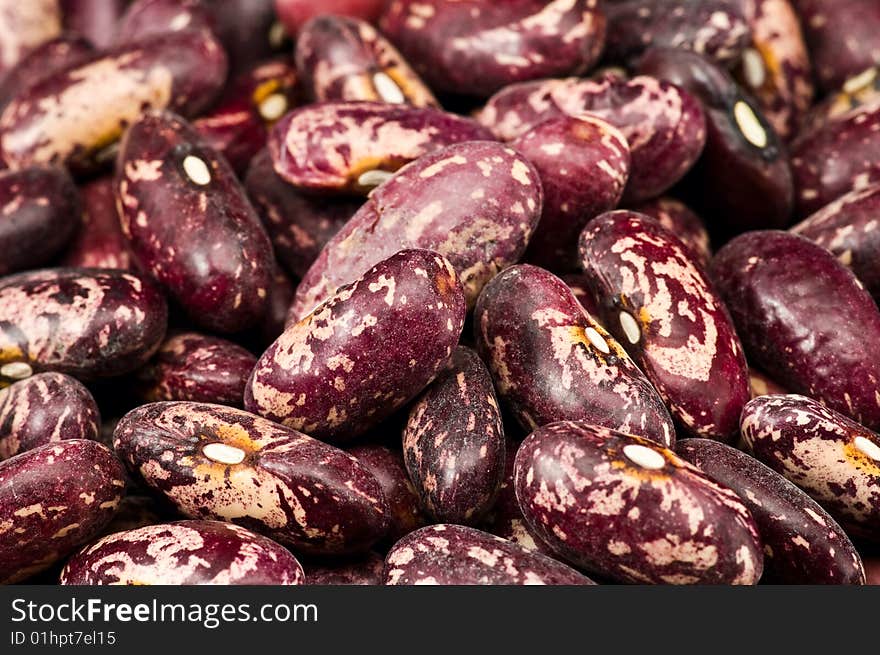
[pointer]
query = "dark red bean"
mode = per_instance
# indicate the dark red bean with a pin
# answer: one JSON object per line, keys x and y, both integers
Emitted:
{"x": 97, "y": 20}
{"x": 250, "y": 30}
{"x": 366, "y": 570}
{"x": 679, "y": 219}
{"x": 805, "y": 317}
{"x": 99, "y": 243}
{"x": 24, "y": 26}
{"x": 150, "y": 17}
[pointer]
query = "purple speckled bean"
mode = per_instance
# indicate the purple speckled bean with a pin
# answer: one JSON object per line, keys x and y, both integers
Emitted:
{"x": 475, "y": 203}
{"x": 834, "y": 459}
{"x": 52, "y": 500}
{"x": 190, "y": 223}
{"x": 663, "y": 124}
{"x": 656, "y": 299}
{"x": 183, "y": 553}
{"x": 403, "y": 503}
{"x": 72, "y": 116}
{"x": 850, "y": 228}
{"x": 97, "y": 20}
{"x": 839, "y": 157}
{"x": 299, "y": 225}
{"x": 743, "y": 180}
{"x": 39, "y": 214}
{"x": 239, "y": 126}
{"x": 474, "y": 47}
{"x": 584, "y": 165}
{"x": 363, "y": 571}
{"x": 804, "y": 317}
{"x": 145, "y": 18}
{"x": 802, "y": 543}
{"x": 25, "y": 26}
{"x": 627, "y": 509}
{"x": 84, "y": 322}
{"x": 335, "y": 146}
{"x": 453, "y": 444}
{"x": 717, "y": 29}
{"x": 45, "y": 408}
{"x": 216, "y": 462}
{"x": 551, "y": 361}
{"x": 99, "y": 242}
{"x": 364, "y": 353}
{"x": 198, "y": 367}
{"x": 346, "y": 59}
{"x": 448, "y": 554}
{"x": 679, "y": 219}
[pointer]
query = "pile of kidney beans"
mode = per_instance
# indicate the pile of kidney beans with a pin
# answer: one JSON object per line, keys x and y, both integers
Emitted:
{"x": 440, "y": 292}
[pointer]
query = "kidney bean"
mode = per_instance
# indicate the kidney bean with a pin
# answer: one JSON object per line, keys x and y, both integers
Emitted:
{"x": 299, "y": 225}
{"x": 346, "y": 59}
{"x": 551, "y": 361}
{"x": 97, "y": 20}
{"x": 39, "y": 212}
{"x": 584, "y": 165}
{"x": 834, "y": 459}
{"x": 364, "y": 353}
{"x": 773, "y": 284}
{"x": 25, "y": 26}
{"x": 388, "y": 468}
{"x": 453, "y": 444}
{"x": 580, "y": 287}
{"x": 448, "y": 554}
{"x": 366, "y": 570}
{"x": 234, "y": 466}
{"x": 184, "y": 553}
{"x": 189, "y": 222}
{"x": 762, "y": 385}
{"x": 857, "y": 91}
{"x": 717, "y": 29}
{"x": 850, "y": 228}
{"x": 341, "y": 147}
{"x": 72, "y": 116}
{"x": 742, "y": 180}
{"x": 802, "y": 543}
{"x": 151, "y": 17}
{"x": 843, "y": 37}
{"x": 656, "y": 299}
{"x": 198, "y": 367}
{"x": 52, "y": 499}
{"x": 45, "y": 408}
{"x": 663, "y": 124}
{"x": 238, "y": 126}
{"x": 99, "y": 243}
{"x": 628, "y": 509}
{"x": 88, "y": 323}
{"x": 775, "y": 67}
{"x": 679, "y": 219}
{"x": 475, "y": 203}
{"x": 250, "y": 30}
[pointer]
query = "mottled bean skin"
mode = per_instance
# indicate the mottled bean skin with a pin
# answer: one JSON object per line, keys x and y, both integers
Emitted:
{"x": 475, "y": 203}
{"x": 453, "y": 444}
{"x": 25, "y": 26}
{"x": 475, "y": 48}
{"x": 53, "y": 499}
{"x": 99, "y": 243}
{"x": 72, "y": 116}
{"x": 679, "y": 219}
{"x": 183, "y": 553}
{"x": 364, "y": 353}
{"x": 663, "y": 124}
{"x": 657, "y": 300}
{"x": 39, "y": 214}
{"x": 850, "y": 228}
{"x": 717, "y": 29}
{"x": 88, "y": 323}
{"x": 346, "y": 59}
{"x": 834, "y": 459}
{"x": 299, "y": 225}
{"x": 837, "y": 158}
{"x": 802, "y": 543}
{"x": 365, "y": 571}
{"x": 804, "y": 316}
{"x": 194, "y": 230}
{"x": 329, "y": 146}
{"x": 45, "y": 408}
{"x": 97, "y": 20}
{"x": 629, "y": 510}
{"x": 197, "y": 367}
{"x": 551, "y": 361}
{"x": 743, "y": 180}
{"x": 584, "y": 165}
{"x": 290, "y": 487}
{"x": 447, "y": 554}
{"x": 403, "y": 503}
